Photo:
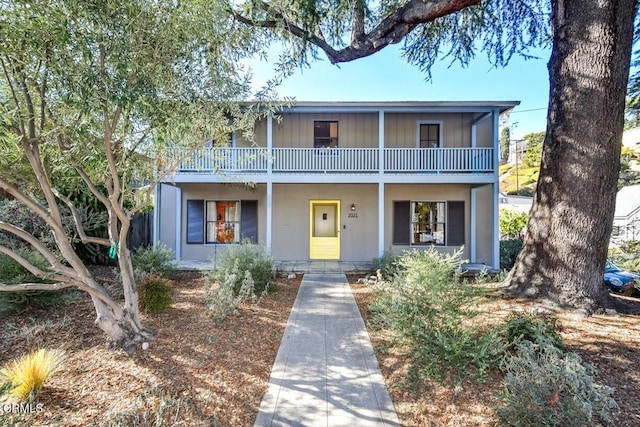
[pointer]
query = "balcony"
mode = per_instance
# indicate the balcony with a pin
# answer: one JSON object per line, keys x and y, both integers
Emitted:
{"x": 256, "y": 160}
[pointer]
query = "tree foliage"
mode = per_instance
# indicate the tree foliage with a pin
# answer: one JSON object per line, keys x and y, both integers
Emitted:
{"x": 533, "y": 156}
{"x": 91, "y": 94}
{"x": 452, "y": 29}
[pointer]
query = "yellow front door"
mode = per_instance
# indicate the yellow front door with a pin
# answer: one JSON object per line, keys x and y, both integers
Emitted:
{"x": 324, "y": 225}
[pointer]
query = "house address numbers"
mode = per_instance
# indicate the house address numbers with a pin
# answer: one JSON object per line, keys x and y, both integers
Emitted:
{"x": 352, "y": 215}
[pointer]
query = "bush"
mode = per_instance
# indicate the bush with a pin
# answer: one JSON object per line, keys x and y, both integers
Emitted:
{"x": 531, "y": 327}
{"x": 155, "y": 406}
{"x": 509, "y": 251}
{"x": 13, "y": 273}
{"x": 154, "y": 294}
{"x": 158, "y": 260}
{"x": 546, "y": 387}
{"x": 24, "y": 377}
{"x": 425, "y": 307}
{"x": 241, "y": 258}
{"x": 386, "y": 265}
{"x": 223, "y": 300}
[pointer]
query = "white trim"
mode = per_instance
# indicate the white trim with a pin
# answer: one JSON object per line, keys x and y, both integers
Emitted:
{"x": 269, "y": 143}
{"x": 178, "y": 248}
{"x": 380, "y": 219}
{"x": 440, "y": 123}
{"x": 381, "y": 143}
{"x": 269, "y": 218}
{"x": 156, "y": 213}
{"x": 473, "y": 226}
{"x": 496, "y": 190}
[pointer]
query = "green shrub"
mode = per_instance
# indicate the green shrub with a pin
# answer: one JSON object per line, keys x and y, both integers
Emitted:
{"x": 521, "y": 326}
{"x": 155, "y": 406}
{"x": 13, "y": 273}
{"x": 386, "y": 265}
{"x": 425, "y": 307}
{"x": 241, "y": 258}
{"x": 223, "y": 300}
{"x": 157, "y": 260}
{"x": 509, "y": 251}
{"x": 154, "y": 294}
{"x": 546, "y": 387}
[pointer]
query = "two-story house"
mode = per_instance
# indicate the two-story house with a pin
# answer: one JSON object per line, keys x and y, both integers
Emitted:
{"x": 344, "y": 181}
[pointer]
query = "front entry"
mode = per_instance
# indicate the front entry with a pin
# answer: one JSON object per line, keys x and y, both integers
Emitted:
{"x": 324, "y": 226}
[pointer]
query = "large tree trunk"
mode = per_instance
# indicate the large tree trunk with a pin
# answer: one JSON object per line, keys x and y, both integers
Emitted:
{"x": 565, "y": 249}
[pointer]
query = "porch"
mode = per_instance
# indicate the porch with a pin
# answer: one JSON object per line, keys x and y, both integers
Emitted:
{"x": 261, "y": 160}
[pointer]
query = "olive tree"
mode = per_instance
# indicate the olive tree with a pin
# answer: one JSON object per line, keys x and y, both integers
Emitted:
{"x": 92, "y": 94}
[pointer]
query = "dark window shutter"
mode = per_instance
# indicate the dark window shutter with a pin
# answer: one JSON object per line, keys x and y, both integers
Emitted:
{"x": 401, "y": 223}
{"x": 195, "y": 221}
{"x": 249, "y": 220}
{"x": 455, "y": 223}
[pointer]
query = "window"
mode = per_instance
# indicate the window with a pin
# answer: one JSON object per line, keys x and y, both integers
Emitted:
{"x": 428, "y": 223}
{"x": 428, "y": 135}
{"x": 221, "y": 221}
{"x": 325, "y": 134}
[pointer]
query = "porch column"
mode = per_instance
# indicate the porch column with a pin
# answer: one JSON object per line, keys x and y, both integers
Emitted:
{"x": 381, "y": 168}
{"x": 380, "y": 218}
{"x": 269, "y": 218}
{"x": 178, "y": 223}
{"x": 269, "y": 144}
{"x": 473, "y": 228}
{"x": 496, "y": 191}
{"x": 156, "y": 213}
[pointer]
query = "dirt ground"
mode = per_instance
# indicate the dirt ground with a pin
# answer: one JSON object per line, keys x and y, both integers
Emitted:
{"x": 199, "y": 373}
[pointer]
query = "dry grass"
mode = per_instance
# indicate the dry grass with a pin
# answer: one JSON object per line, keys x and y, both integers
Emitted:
{"x": 26, "y": 375}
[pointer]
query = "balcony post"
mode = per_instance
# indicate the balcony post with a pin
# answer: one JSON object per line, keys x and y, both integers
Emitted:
{"x": 496, "y": 190}
{"x": 269, "y": 143}
{"x": 381, "y": 166}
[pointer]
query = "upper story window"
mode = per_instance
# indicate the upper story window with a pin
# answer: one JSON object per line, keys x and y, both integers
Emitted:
{"x": 325, "y": 134}
{"x": 429, "y": 135}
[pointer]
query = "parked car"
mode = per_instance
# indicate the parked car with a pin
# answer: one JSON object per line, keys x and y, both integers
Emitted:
{"x": 619, "y": 280}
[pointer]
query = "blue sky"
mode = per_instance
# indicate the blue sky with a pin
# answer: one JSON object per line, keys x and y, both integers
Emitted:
{"x": 386, "y": 76}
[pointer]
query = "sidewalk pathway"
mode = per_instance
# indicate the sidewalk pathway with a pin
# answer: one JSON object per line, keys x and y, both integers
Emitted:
{"x": 326, "y": 373}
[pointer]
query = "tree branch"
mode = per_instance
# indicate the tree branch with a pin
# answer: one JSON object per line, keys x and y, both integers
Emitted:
{"x": 13, "y": 94}
{"x": 32, "y": 268}
{"x": 36, "y": 244}
{"x": 98, "y": 195}
{"x": 78, "y": 222}
{"x": 26, "y": 200}
{"x": 390, "y": 30}
{"x": 35, "y": 286}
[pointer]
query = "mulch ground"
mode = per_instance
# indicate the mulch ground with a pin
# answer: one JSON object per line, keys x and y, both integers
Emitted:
{"x": 195, "y": 373}
{"x": 200, "y": 373}
{"x": 611, "y": 343}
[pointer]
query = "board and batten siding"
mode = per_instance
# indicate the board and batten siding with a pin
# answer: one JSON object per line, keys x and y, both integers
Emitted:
{"x": 400, "y": 130}
{"x": 354, "y": 130}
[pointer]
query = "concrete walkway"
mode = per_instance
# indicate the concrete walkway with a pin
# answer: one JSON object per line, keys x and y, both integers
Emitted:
{"x": 326, "y": 373}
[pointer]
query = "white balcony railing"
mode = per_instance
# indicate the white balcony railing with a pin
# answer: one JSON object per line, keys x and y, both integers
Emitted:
{"x": 337, "y": 160}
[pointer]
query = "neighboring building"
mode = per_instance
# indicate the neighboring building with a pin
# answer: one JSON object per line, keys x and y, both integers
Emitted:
{"x": 517, "y": 149}
{"x": 521, "y": 204}
{"x": 626, "y": 220}
{"x": 344, "y": 181}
